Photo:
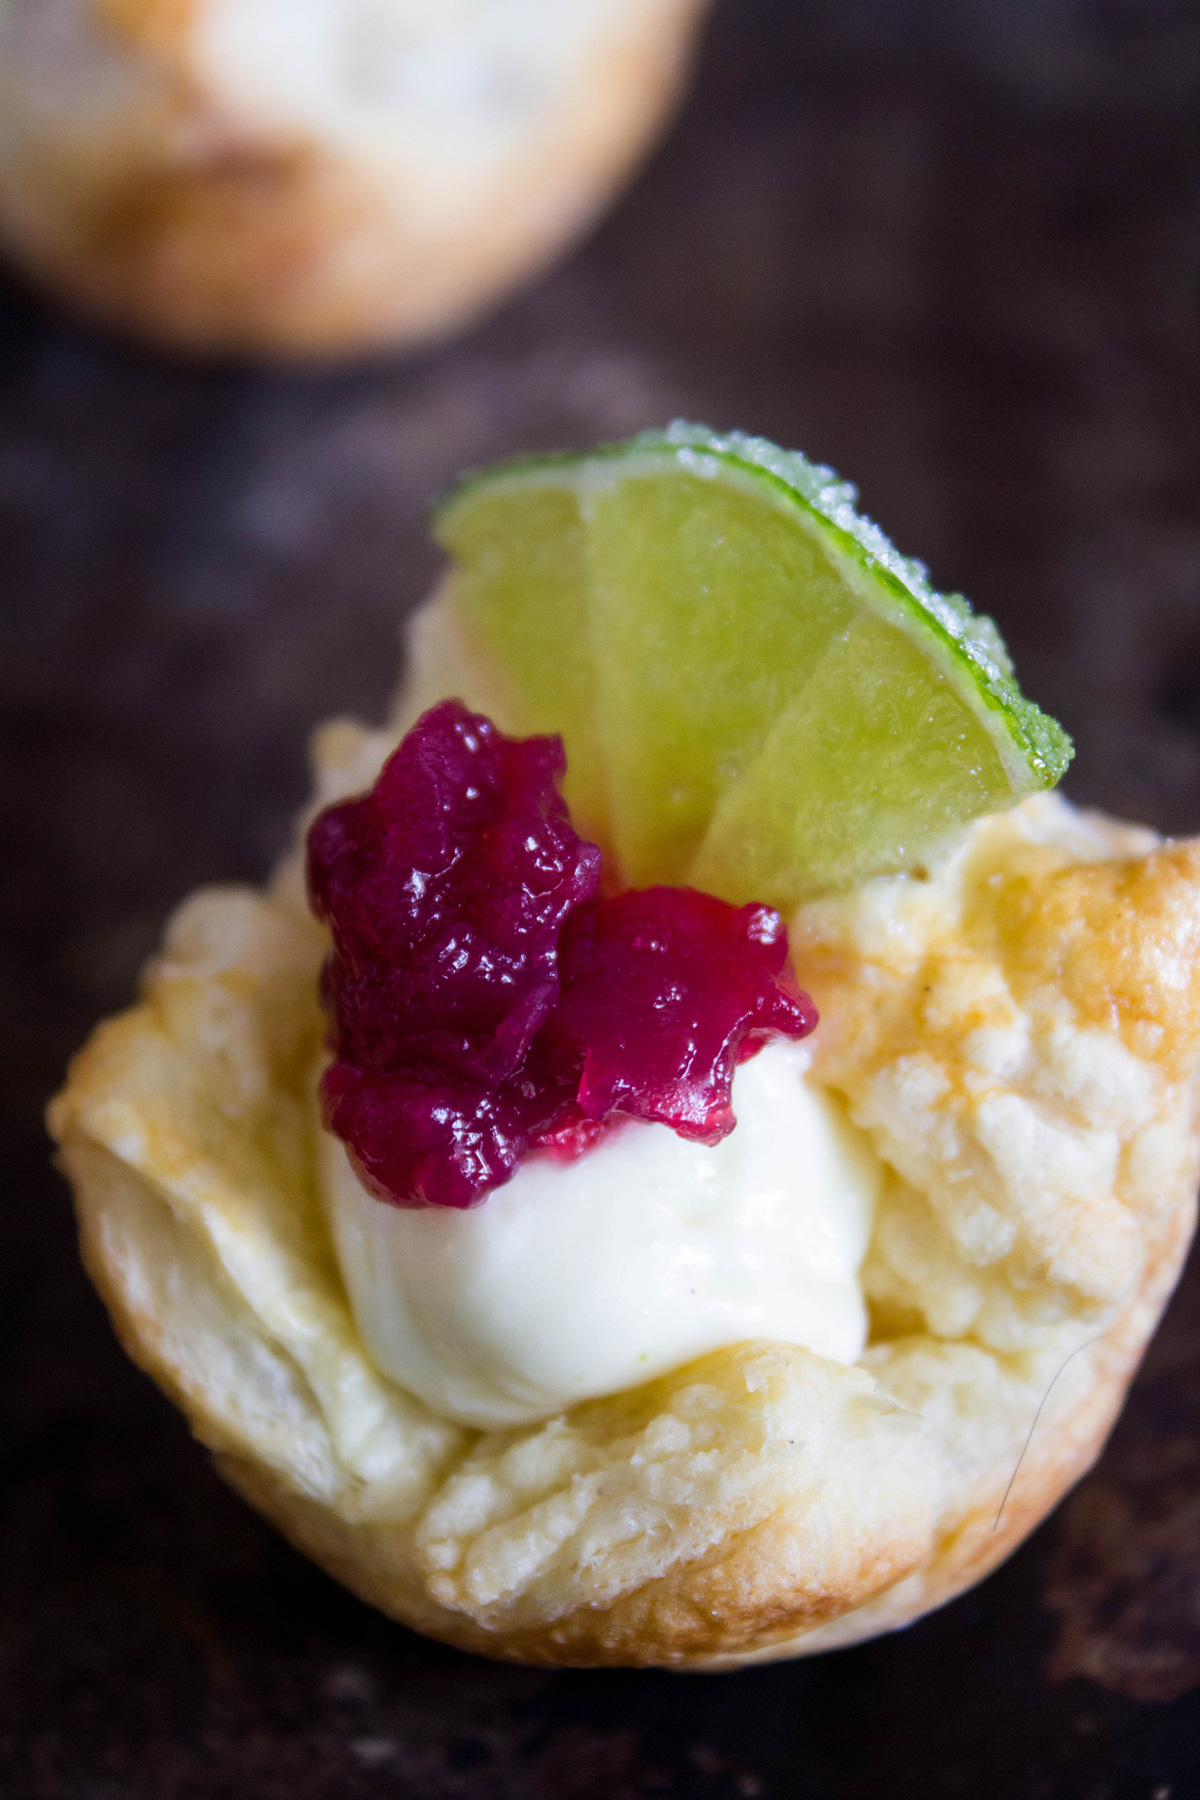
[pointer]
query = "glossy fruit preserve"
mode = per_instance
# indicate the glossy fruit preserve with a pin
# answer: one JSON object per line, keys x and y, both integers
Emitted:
{"x": 485, "y": 1004}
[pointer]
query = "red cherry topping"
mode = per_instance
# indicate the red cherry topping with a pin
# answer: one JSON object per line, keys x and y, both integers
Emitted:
{"x": 483, "y": 1004}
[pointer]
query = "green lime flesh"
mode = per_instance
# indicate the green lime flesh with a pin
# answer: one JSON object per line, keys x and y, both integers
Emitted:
{"x": 522, "y": 581}
{"x": 758, "y": 695}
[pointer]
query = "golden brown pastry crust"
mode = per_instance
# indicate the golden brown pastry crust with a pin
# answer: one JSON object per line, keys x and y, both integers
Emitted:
{"x": 1019, "y": 1033}
{"x": 181, "y": 213}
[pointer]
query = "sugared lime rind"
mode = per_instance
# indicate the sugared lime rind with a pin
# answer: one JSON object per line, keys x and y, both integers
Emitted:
{"x": 758, "y": 694}
{"x": 1042, "y": 747}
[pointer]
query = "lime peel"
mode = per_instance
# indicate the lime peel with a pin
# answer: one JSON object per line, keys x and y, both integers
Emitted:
{"x": 1046, "y": 749}
{"x": 708, "y": 744}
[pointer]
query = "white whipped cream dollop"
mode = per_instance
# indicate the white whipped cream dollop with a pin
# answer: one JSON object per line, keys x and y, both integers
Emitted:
{"x": 585, "y": 1278}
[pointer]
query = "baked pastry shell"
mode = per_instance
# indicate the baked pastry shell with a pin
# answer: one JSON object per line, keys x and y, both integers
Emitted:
{"x": 142, "y": 180}
{"x": 761, "y": 1502}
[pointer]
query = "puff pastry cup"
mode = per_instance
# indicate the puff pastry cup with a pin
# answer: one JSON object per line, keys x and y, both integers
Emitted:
{"x": 1018, "y": 1031}
{"x": 317, "y": 177}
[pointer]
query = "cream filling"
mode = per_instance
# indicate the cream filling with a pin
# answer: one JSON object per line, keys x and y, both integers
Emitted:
{"x": 586, "y": 1278}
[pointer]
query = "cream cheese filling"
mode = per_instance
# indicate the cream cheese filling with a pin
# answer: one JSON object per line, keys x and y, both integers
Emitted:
{"x": 585, "y": 1278}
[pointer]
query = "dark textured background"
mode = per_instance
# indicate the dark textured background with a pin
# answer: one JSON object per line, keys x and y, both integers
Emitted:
{"x": 950, "y": 246}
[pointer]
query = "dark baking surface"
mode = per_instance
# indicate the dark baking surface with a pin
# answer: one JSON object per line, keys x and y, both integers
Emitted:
{"x": 950, "y": 247}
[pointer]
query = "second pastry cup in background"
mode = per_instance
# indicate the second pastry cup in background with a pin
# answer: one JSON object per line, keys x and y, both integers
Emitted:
{"x": 297, "y": 178}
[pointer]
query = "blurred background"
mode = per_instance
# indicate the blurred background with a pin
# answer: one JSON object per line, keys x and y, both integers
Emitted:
{"x": 950, "y": 247}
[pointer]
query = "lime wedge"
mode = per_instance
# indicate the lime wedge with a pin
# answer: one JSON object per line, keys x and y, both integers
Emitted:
{"x": 759, "y": 696}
